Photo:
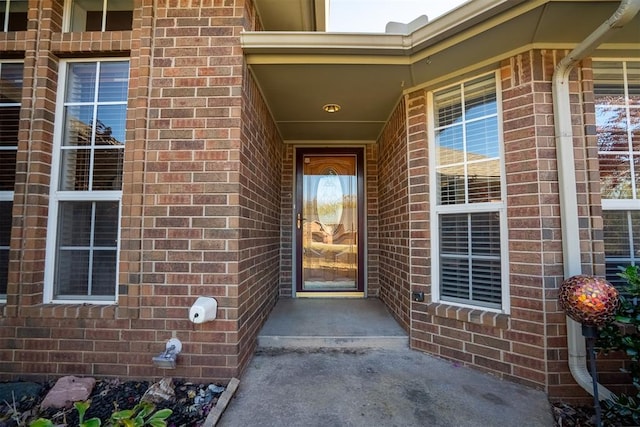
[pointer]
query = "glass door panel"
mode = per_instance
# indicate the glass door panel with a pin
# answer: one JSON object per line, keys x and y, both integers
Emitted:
{"x": 327, "y": 223}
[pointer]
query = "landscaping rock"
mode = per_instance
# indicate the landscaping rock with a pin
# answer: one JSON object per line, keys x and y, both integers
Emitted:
{"x": 160, "y": 392}
{"x": 68, "y": 390}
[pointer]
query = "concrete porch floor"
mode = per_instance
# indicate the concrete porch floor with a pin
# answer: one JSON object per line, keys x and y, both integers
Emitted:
{"x": 346, "y": 362}
{"x": 331, "y": 323}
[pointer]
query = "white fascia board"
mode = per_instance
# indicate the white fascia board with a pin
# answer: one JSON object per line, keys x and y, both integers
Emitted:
{"x": 450, "y": 24}
{"x": 345, "y": 43}
{"x": 467, "y": 21}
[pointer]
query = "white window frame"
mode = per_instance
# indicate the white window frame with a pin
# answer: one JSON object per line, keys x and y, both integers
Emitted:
{"x": 634, "y": 258}
{"x": 5, "y": 24}
{"x": 624, "y": 205}
{"x": 57, "y": 196}
{"x": 8, "y": 196}
{"x": 499, "y": 207}
{"x": 68, "y": 12}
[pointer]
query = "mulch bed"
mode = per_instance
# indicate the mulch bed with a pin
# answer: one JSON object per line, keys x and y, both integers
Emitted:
{"x": 188, "y": 409}
{"x": 191, "y": 405}
{"x": 573, "y": 416}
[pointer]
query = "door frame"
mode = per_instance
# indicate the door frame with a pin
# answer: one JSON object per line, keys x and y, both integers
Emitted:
{"x": 359, "y": 152}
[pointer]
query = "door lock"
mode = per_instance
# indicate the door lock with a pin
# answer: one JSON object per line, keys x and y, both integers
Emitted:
{"x": 299, "y": 221}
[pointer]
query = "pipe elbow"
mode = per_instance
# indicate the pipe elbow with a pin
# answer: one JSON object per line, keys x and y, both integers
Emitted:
{"x": 627, "y": 10}
{"x": 578, "y": 361}
{"x": 582, "y": 376}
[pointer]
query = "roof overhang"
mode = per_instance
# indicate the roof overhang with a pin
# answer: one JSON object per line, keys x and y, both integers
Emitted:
{"x": 293, "y": 15}
{"x": 367, "y": 74}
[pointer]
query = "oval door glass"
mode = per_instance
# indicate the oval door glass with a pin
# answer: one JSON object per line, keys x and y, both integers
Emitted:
{"x": 329, "y": 199}
{"x": 329, "y": 232}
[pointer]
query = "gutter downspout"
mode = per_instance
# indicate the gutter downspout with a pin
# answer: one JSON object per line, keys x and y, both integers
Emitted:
{"x": 626, "y": 11}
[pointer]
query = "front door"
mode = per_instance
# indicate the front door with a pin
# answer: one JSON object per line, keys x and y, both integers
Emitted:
{"x": 329, "y": 218}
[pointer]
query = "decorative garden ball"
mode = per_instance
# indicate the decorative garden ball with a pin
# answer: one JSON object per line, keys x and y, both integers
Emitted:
{"x": 589, "y": 300}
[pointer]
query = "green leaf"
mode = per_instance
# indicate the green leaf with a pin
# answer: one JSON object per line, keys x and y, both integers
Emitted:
{"x": 92, "y": 422}
{"x": 81, "y": 407}
{"x": 162, "y": 414}
{"x": 145, "y": 409}
{"x": 122, "y": 415}
{"x": 138, "y": 420}
{"x": 41, "y": 422}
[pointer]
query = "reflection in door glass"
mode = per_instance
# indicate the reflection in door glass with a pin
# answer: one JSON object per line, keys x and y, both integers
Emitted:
{"x": 329, "y": 241}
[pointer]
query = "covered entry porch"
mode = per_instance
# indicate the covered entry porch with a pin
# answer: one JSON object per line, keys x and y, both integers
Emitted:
{"x": 402, "y": 98}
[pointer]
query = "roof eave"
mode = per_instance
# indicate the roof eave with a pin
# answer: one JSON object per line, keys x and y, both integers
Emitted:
{"x": 446, "y": 26}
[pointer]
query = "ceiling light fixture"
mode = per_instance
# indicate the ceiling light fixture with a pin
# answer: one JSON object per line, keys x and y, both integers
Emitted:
{"x": 331, "y": 108}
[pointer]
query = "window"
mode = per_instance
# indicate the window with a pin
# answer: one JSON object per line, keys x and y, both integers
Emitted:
{"x": 617, "y": 99}
{"x": 13, "y": 15}
{"x": 100, "y": 15}
{"x": 10, "y": 99}
{"x": 469, "y": 213}
{"x": 87, "y": 181}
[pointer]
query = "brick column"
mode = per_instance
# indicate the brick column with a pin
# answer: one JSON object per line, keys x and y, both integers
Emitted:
{"x": 33, "y": 163}
{"x": 394, "y": 214}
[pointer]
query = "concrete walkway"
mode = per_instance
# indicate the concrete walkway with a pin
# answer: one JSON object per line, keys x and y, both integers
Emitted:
{"x": 364, "y": 385}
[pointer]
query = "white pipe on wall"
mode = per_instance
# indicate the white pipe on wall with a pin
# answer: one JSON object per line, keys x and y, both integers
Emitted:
{"x": 626, "y": 11}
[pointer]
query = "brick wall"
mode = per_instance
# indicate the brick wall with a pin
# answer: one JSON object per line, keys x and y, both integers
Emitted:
{"x": 508, "y": 346}
{"x": 31, "y": 197}
{"x": 393, "y": 198}
{"x": 535, "y": 251}
{"x": 207, "y": 202}
{"x": 190, "y": 206}
{"x": 529, "y": 345}
{"x": 372, "y": 242}
{"x": 259, "y": 222}
{"x": 420, "y": 255}
{"x": 561, "y": 384}
{"x": 51, "y": 340}
{"x": 131, "y": 224}
{"x": 287, "y": 192}
{"x": 534, "y": 215}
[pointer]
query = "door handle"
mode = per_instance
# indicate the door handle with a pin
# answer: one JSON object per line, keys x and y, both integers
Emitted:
{"x": 299, "y": 221}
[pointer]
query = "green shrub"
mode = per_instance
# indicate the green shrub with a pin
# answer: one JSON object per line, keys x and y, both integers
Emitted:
{"x": 624, "y": 335}
{"x": 141, "y": 415}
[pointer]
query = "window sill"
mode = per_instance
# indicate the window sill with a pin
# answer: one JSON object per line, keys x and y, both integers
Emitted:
{"x": 91, "y": 41}
{"x": 470, "y": 315}
{"x": 75, "y": 311}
